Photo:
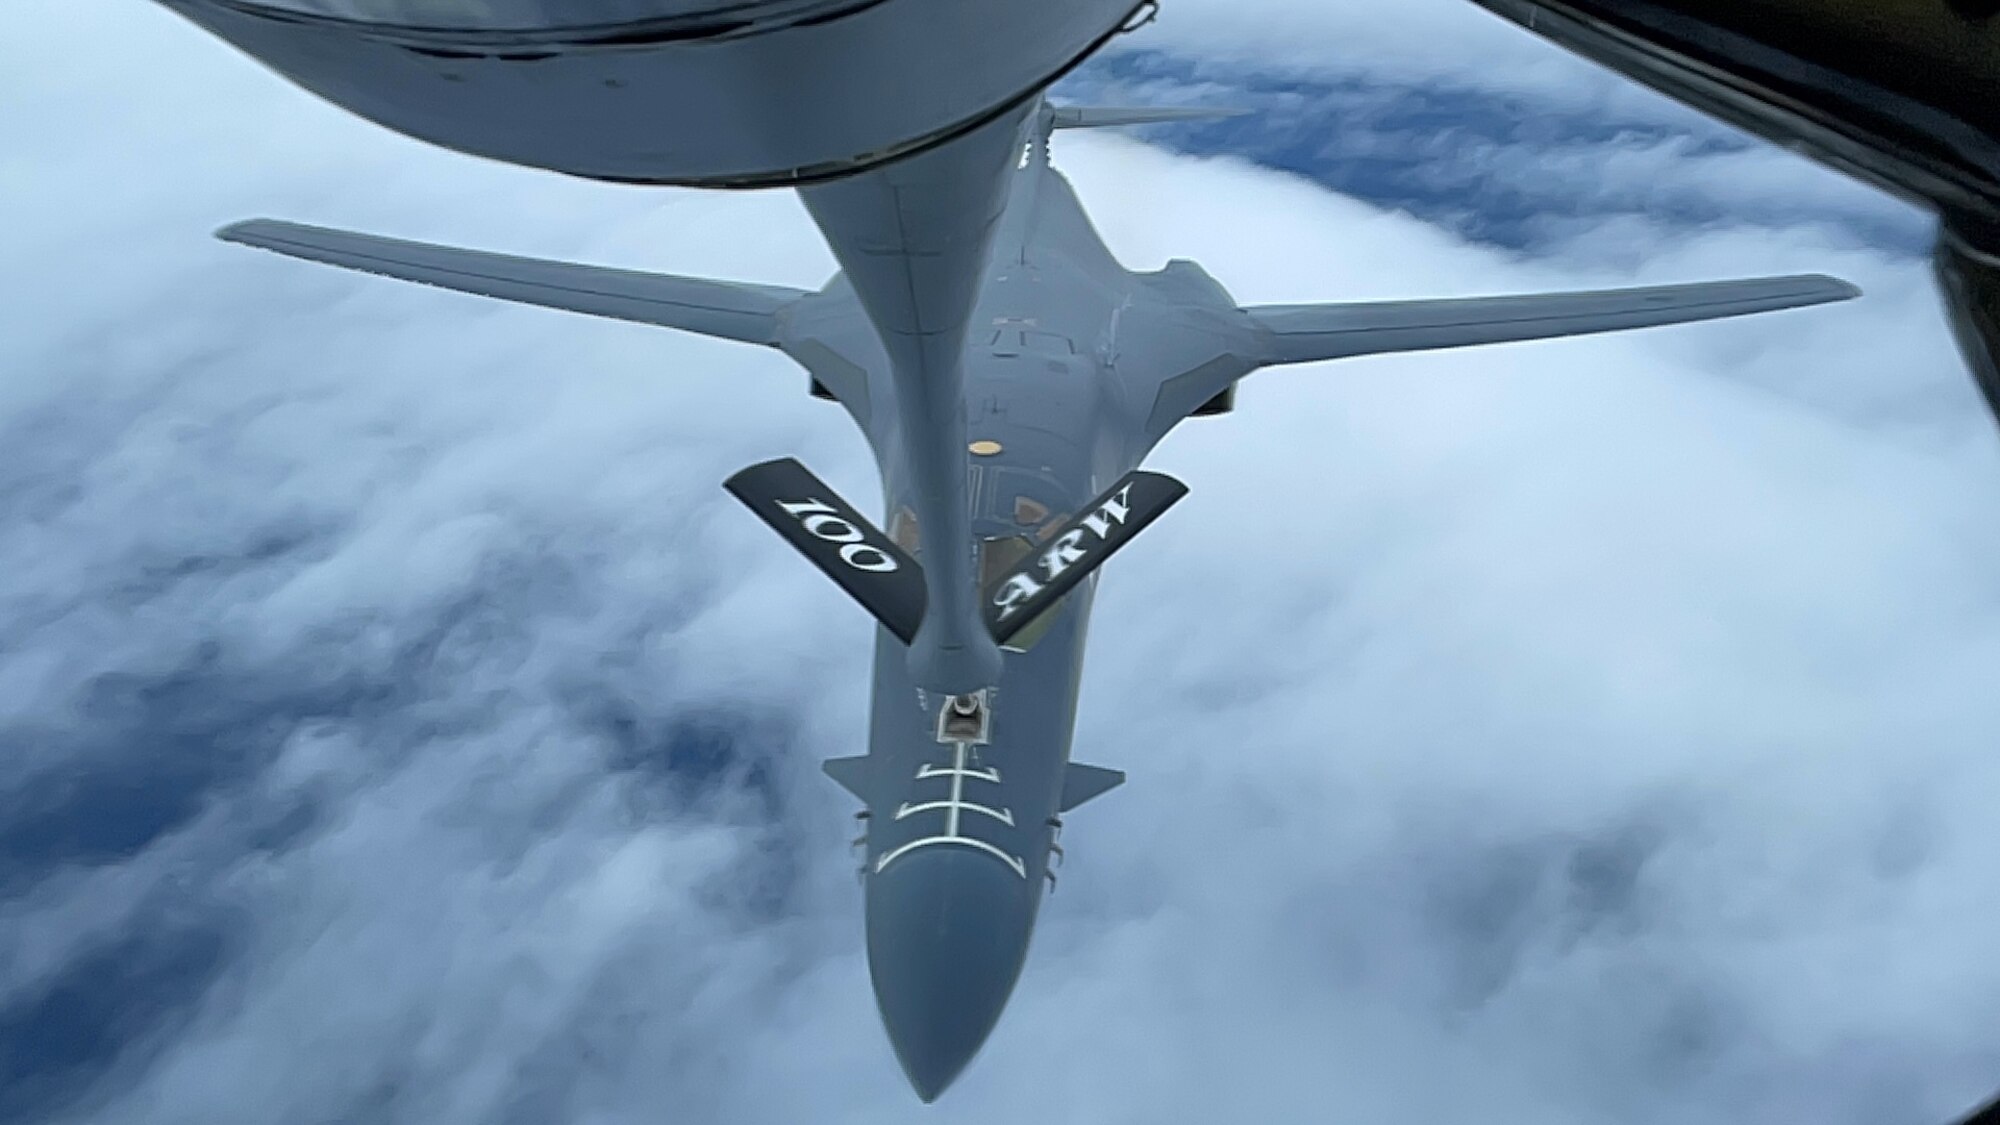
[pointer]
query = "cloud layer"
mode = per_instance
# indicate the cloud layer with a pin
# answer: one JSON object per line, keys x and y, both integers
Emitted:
{"x": 404, "y": 726}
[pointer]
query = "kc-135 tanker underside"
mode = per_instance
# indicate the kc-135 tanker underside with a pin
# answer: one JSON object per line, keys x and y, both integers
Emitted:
{"x": 709, "y": 93}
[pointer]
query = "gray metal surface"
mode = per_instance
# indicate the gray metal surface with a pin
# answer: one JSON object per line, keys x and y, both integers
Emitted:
{"x": 1005, "y": 370}
{"x": 542, "y": 15}
{"x": 913, "y": 240}
{"x": 1305, "y": 333}
{"x": 754, "y": 93}
{"x": 726, "y": 309}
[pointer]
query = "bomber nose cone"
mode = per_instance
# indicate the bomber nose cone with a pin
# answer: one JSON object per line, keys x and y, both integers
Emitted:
{"x": 947, "y": 934}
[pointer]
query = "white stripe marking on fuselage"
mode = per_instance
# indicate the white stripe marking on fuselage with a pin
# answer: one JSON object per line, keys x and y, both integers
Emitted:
{"x": 1014, "y": 862}
{"x": 1004, "y": 816}
{"x": 928, "y": 770}
{"x": 953, "y": 808}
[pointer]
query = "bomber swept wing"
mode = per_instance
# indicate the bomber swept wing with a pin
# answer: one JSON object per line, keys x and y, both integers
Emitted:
{"x": 1305, "y": 333}
{"x": 1284, "y": 334}
{"x": 726, "y": 309}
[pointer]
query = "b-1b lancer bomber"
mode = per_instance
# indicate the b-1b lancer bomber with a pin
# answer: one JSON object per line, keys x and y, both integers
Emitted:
{"x": 1010, "y": 377}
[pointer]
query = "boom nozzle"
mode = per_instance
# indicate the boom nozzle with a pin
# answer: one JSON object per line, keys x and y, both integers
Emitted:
{"x": 965, "y": 719}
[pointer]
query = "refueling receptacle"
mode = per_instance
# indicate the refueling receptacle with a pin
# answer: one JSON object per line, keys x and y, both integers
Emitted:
{"x": 965, "y": 718}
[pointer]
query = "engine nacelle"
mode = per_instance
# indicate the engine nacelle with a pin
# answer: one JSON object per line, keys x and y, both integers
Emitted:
{"x": 712, "y": 93}
{"x": 1223, "y": 403}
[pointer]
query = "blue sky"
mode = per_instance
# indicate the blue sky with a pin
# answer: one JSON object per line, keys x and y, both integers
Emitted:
{"x": 1478, "y": 162}
{"x": 404, "y": 726}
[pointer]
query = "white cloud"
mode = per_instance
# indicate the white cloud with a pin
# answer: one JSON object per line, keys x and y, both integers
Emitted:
{"x": 1608, "y": 741}
{"x": 1425, "y": 39}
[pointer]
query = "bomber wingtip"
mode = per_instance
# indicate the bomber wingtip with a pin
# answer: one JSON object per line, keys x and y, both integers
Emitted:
{"x": 263, "y": 232}
{"x": 1837, "y": 288}
{"x": 242, "y": 231}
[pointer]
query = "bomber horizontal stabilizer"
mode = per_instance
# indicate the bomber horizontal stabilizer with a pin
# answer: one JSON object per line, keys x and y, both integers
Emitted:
{"x": 1099, "y": 117}
{"x": 1306, "y": 333}
{"x": 726, "y": 309}
{"x": 1080, "y": 547}
{"x": 838, "y": 539}
{"x": 855, "y": 774}
{"x": 1081, "y": 783}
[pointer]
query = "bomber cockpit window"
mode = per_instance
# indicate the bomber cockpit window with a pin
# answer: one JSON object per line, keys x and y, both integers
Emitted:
{"x": 998, "y": 555}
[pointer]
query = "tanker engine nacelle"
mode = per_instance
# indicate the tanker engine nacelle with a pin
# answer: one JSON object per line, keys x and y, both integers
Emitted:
{"x": 711, "y": 93}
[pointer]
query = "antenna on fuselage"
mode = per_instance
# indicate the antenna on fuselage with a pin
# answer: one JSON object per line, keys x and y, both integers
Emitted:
{"x": 1102, "y": 116}
{"x": 1055, "y": 117}
{"x": 1038, "y": 144}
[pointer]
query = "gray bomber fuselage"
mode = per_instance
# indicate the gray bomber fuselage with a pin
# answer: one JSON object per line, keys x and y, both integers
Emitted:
{"x": 958, "y": 839}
